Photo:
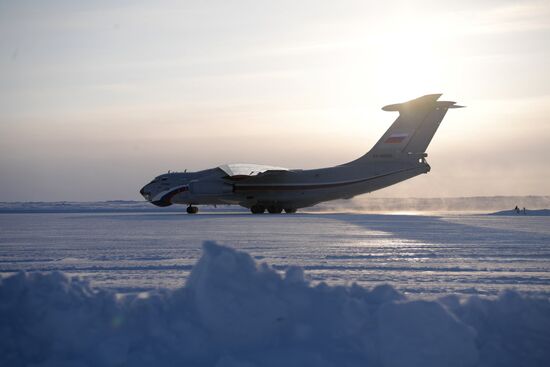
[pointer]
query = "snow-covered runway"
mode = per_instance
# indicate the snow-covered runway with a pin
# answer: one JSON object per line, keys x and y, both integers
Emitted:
{"x": 209, "y": 305}
{"x": 419, "y": 255}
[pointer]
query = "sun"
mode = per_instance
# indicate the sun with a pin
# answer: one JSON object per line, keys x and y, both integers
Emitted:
{"x": 404, "y": 58}
{"x": 408, "y": 62}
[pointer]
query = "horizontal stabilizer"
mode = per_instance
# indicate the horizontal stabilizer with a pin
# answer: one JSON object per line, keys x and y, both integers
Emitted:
{"x": 419, "y": 103}
{"x": 413, "y": 104}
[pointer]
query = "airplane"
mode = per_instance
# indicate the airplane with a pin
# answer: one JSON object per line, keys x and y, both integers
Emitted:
{"x": 400, "y": 154}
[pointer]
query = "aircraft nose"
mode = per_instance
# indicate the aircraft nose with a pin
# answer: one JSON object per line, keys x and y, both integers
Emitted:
{"x": 145, "y": 193}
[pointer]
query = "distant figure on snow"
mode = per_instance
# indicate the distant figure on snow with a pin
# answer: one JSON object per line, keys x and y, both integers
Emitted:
{"x": 524, "y": 211}
{"x": 516, "y": 209}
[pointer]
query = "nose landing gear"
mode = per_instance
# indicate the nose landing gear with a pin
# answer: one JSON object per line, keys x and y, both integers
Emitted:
{"x": 192, "y": 209}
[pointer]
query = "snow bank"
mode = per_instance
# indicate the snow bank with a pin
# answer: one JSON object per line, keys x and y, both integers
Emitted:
{"x": 368, "y": 203}
{"x": 528, "y": 212}
{"x": 233, "y": 312}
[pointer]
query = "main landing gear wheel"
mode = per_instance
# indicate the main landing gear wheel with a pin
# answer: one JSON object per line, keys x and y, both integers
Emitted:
{"x": 192, "y": 210}
{"x": 257, "y": 209}
{"x": 274, "y": 209}
{"x": 290, "y": 210}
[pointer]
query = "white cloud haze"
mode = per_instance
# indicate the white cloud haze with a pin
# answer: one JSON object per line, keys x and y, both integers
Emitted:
{"x": 98, "y": 97}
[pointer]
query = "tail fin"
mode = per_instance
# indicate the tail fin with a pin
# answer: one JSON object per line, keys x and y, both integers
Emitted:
{"x": 413, "y": 130}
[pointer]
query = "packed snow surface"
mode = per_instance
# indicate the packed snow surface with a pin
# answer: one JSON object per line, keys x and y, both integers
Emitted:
{"x": 143, "y": 297}
{"x": 424, "y": 255}
{"x": 235, "y": 312}
{"x": 365, "y": 203}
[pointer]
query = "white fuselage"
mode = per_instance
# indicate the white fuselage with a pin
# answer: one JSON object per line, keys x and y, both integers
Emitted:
{"x": 398, "y": 156}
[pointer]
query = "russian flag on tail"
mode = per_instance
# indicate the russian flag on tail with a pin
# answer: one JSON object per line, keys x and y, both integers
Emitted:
{"x": 396, "y": 138}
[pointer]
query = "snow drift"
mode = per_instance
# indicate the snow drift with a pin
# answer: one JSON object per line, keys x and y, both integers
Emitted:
{"x": 234, "y": 312}
{"x": 528, "y": 212}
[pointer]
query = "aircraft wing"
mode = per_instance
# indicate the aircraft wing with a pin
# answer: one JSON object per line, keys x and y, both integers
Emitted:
{"x": 246, "y": 171}
{"x": 272, "y": 176}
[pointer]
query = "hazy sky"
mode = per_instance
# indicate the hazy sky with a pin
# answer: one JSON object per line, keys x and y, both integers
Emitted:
{"x": 97, "y": 97}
